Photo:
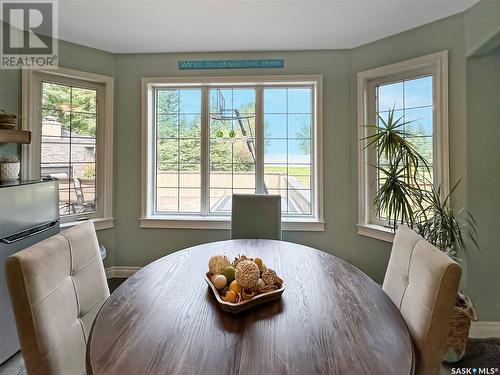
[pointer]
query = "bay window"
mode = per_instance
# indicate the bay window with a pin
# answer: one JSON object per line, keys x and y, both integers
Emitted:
{"x": 208, "y": 138}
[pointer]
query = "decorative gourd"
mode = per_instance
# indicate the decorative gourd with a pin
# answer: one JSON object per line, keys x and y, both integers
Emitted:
{"x": 219, "y": 281}
{"x": 217, "y": 263}
{"x": 229, "y": 273}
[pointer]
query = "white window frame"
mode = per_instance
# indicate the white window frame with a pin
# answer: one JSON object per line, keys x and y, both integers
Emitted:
{"x": 435, "y": 64}
{"x": 150, "y": 219}
{"x": 31, "y": 155}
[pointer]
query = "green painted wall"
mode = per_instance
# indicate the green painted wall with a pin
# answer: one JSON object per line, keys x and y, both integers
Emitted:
{"x": 483, "y": 114}
{"x": 139, "y": 246}
{"x": 128, "y": 245}
{"x": 482, "y": 27}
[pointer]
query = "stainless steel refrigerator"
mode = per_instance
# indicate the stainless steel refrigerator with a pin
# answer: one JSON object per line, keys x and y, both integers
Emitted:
{"x": 29, "y": 213}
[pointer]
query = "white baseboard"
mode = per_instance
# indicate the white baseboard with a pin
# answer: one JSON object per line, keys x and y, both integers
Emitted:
{"x": 121, "y": 272}
{"x": 480, "y": 330}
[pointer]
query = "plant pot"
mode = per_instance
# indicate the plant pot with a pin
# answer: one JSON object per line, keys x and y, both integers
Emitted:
{"x": 232, "y": 140}
{"x": 9, "y": 171}
{"x": 458, "y": 334}
{"x": 219, "y": 139}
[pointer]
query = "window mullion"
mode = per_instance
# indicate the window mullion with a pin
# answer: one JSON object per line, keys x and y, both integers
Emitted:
{"x": 259, "y": 140}
{"x": 205, "y": 151}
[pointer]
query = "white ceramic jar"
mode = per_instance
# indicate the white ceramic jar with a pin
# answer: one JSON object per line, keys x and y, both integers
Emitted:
{"x": 9, "y": 171}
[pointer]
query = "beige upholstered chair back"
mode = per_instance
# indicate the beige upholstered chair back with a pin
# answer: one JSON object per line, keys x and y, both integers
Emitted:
{"x": 423, "y": 283}
{"x": 57, "y": 287}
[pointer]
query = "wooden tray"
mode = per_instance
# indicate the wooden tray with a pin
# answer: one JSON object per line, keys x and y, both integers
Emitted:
{"x": 243, "y": 305}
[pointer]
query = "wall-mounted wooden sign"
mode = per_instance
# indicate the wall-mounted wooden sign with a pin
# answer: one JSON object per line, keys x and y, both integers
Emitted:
{"x": 231, "y": 64}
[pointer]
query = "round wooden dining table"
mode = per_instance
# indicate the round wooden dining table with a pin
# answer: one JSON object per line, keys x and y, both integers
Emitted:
{"x": 331, "y": 319}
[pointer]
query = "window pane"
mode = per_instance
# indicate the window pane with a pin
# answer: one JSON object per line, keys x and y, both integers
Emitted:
{"x": 83, "y": 125}
{"x": 189, "y": 151}
{"x": 299, "y": 126}
{"x": 390, "y": 96}
{"x": 275, "y": 176}
{"x": 424, "y": 147}
{"x": 420, "y": 121}
{"x": 167, "y": 101}
{"x": 55, "y": 96}
{"x": 167, "y": 151}
{"x": 232, "y": 148}
{"x": 414, "y": 109}
{"x": 190, "y": 101}
{"x": 397, "y": 116}
{"x": 190, "y": 126}
{"x": 287, "y": 147}
{"x": 167, "y": 126}
{"x": 418, "y": 92}
{"x": 244, "y": 101}
{"x": 190, "y": 175}
{"x": 84, "y": 100}
{"x": 299, "y": 100}
{"x": 190, "y": 200}
{"x": 244, "y": 176}
{"x": 274, "y": 126}
{"x": 68, "y": 144}
{"x": 167, "y": 199}
{"x": 300, "y": 176}
{"x": 274, "y": 100}
{"x": 178, "y": 150}
{"x": 220, "y": 200}
{"x": 167, "y": 175}
{"x": 275, "y": 151}
{"x": 299, "y": 151}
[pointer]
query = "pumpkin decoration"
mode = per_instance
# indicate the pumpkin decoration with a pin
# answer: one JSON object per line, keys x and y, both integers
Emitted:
{"x": 247, "y": 274}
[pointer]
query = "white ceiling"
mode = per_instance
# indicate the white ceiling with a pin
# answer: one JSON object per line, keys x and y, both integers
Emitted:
{"x": 126, "y": 26}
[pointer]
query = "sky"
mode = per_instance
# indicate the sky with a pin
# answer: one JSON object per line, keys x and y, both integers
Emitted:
{"x": 286, "y": 111}
{"x": 414, "y": 96}
{"x": 281, "y": 107}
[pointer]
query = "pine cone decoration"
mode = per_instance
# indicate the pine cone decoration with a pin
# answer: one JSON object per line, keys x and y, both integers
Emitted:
{"x": 270, "y": 278}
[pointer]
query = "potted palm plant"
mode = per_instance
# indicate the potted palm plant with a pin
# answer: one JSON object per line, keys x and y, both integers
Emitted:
{"x": 408, "y": 195}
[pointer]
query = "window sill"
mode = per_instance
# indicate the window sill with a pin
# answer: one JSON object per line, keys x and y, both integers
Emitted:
{"x": 99, "y": 223}
{"x": 197, "y": 222}
{"x": 376, "y": 231}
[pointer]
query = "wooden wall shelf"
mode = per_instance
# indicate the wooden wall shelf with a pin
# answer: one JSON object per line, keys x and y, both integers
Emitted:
{"x": 15, "y": 136}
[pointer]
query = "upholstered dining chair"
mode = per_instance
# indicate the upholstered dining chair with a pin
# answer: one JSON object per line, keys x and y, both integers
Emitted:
{"x": 57, "y": 286}
{"x": 423, "y": 282}
{"x": 256, "y": 216}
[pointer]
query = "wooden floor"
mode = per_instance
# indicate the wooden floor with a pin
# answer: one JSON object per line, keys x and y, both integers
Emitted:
{"x": 13, "y": 366}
